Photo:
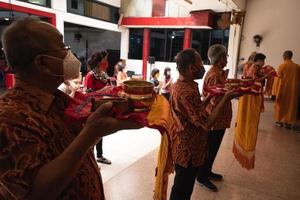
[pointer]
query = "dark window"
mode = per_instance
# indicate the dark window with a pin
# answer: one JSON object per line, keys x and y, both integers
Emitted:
{"x": 136, "y": 37}
{"x": 202, "y": 39}
{"x": 158, "y": 44}
{"x": 166, "y": 43}
{"x": 219, "y": 36}
{"x": 201, "y": 42}
{"x": 74, "y": 4}
{"x": 39, "y": 2}
{"x": 94, "y": 9}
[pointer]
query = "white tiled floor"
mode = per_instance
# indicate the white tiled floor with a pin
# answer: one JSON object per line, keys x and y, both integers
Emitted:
{"x": 276, "y": 175}
{"x": 125, "y": 147}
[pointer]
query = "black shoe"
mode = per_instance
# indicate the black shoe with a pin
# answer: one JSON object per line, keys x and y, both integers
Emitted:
{"x": 215, "y": 177}
{"x": 207, "y": 184}
{"x": 103, "y": 160}
{"x": 279, "y": 124}
{"x": 273, "y": 98}
{"x": 288, "y": 126}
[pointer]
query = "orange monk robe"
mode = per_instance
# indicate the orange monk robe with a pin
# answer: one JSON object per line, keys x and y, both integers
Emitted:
{"x": 286, "y": 104}
{"x": 276, "y": 85}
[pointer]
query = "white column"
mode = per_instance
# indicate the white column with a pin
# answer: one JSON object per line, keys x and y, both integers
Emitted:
{"x": 233, "y": 49}
{"x": 124, "y": 42}
{"x": 60, "y": 22}
{"x": 59, "y": 5}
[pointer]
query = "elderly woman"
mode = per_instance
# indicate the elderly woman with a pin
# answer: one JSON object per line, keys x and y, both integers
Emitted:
{"x": 97, "y": 79}
{"x": 217, "y": 55}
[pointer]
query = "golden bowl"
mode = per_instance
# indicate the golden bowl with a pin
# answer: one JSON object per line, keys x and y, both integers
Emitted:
{"x": 138, "y": 87}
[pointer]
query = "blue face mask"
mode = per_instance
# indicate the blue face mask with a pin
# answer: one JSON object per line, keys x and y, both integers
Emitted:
{"x": 121, "y": 65}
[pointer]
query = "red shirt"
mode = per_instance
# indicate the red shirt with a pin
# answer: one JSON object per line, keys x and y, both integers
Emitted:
{"x": 93, "y": 84}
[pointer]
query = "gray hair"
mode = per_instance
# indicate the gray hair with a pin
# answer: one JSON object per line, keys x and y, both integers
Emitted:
{"x": 22, "y": 42}
{"x": 215, "y": 52}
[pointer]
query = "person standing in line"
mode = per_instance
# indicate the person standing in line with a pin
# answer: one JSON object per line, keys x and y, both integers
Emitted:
{"x": 189, "y": 134}
{"x": 287, "y": 97}
{"x": 217, "y": 55}
{"x": 248, "y": 64}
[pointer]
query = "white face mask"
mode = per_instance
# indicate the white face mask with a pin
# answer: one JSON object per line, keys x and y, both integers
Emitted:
{"x": 71, "y": 66}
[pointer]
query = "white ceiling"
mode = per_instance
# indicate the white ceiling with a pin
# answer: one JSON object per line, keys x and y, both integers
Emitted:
{"x": 215, "y": 5}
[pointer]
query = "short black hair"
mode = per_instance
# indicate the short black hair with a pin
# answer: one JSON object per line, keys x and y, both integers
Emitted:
{"x": 166, "y": 71}
{"x": 288, "y": 54}
{"x": 184, "y": 59}
{"x": 96, "y": 58}
{"x": 22, "y": 42}
{"x": 154, "y": 72}
{"x": 259, "y": 56}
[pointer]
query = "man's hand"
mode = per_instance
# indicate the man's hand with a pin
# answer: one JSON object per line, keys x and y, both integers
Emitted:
{"x": 231, "y": 94}
{"x": 101, "y": 124}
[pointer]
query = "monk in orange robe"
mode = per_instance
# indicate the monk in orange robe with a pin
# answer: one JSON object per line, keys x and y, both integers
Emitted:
{"x": 286, "y": 104}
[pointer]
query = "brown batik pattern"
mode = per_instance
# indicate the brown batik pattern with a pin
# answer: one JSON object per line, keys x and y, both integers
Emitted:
{"x": 188, "y": 136}
{"x": 213, "y": 77}
{"x": 32, "y": 133}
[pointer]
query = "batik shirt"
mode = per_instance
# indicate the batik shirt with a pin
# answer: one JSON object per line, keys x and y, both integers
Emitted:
{"x": 189, "y": 134}
{"x": 32, "y": 134}
{"x": 213, "y": 77}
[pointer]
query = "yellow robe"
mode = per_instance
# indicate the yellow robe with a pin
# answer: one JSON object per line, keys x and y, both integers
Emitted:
{"x": 160, "y": 115}
{"x": 287, "y": 96}
{"x": 276, "y": 85}
{"x": 245, "y": 133}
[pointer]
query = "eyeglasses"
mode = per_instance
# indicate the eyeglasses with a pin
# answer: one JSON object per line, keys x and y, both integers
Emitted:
{"x": 66, "y": 48}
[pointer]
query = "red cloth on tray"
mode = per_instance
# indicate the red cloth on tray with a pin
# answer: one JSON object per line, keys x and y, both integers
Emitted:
{"x": 246, "y": 87}
{"x": 79, "y": 108}
{"x": 269, "y": 71}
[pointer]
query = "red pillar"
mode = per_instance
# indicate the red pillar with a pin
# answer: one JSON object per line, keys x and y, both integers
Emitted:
{"x": 187, "y": 38}
{"x": 146, "y": 45}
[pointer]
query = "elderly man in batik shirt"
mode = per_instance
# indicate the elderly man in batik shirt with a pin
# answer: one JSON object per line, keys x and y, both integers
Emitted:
{"x": 189, "y": 135}
{"x": 40, "y": 156}
{"x": 217, "y": 55}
